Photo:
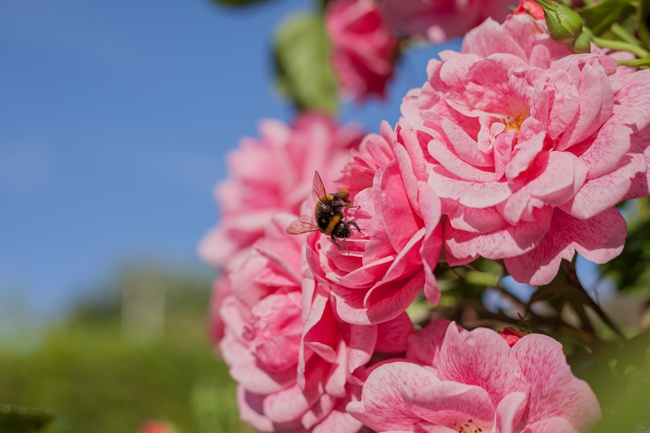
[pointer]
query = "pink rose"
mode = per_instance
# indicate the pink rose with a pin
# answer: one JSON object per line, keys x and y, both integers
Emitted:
{"x": 439, "y": 20}
{"x": 272, "y": 265}
{"x": 296, "y": 363}
{"x": 274, "y": 174}
{"x": 474, "y": 381}
{"x": 295, "y": 376}
{"x": 153, "y": 426}
{"x": 511, "y": 336}
{"x": 377, "y": 275}
{"x": 255, "y": 274}
{"x": 530, "y": 147}
{"x": 264, "y": 277}
{"x": 220, "y": 291}
{"x": 364, "y": 49}
{"x": 530, "y": 7}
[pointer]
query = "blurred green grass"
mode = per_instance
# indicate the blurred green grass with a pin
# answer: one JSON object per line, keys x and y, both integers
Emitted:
{"x": 94, "y": 375}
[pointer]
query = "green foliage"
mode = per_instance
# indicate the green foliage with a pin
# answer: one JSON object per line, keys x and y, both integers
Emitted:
{"x": 93, "y": 376}
{"x": 631, "y": 270}
{"x": 18, "y": 419}
{"x": 619, "y": 374}
{"x": 302, "y": 59}
{"x": 617, "y": 25}
{"x": 599, "y": 17}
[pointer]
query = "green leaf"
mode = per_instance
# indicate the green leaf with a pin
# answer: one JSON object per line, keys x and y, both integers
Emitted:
{"x": 631, "y": 269}
{"x": 303, "y": 68}
{"x": 601, "y": 16}
{"x": 619, "y": 374}
{"x": 484, "y": 279}
{"x": 547, "y": 293}
{"x": 641, "y": 22}
{"x": 18, "y": 419}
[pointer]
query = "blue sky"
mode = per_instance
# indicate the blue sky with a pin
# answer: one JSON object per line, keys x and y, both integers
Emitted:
{"x": 115, "y": 121}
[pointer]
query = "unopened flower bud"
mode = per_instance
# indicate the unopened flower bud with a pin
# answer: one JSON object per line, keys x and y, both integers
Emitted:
{"x": 511, "y": 336}
{"x": 530, "y": 7}
{"x": 583, "y": 43}
{"x": 564, "y": 24}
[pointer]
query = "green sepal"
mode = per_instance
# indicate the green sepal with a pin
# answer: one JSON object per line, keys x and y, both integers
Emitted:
{"x": 564, "y": 24}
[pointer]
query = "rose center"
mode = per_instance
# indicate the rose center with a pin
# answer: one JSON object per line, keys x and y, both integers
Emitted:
{"x": 468, "y": 427}
{"x": 514, "y": 122}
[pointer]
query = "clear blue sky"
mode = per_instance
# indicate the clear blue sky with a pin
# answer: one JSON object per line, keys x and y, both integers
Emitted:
{"x": 115, "y": 117}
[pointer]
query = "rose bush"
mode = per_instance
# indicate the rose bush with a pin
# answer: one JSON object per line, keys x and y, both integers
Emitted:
{"x": 515, "y": 152}
{"x": 529, "y": 147}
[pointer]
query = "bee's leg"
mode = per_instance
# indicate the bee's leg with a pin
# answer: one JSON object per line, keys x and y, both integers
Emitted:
{"x": 335, "y": 243}
{"x": 356, "y": 226}
{"x": 351, "y": 205}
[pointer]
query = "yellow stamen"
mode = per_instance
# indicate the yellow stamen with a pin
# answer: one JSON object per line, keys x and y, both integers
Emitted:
{"x": 469, "y": 427}
{"x": 515, "y": 121}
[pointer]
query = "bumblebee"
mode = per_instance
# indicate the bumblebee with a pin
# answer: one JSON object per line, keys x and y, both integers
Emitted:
{"x": 328, "y": 213}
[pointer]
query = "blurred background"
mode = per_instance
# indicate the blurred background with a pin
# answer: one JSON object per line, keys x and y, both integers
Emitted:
{"x": 115, "y": 121}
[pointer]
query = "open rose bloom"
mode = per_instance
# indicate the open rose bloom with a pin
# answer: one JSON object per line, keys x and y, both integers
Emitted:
{"x": 530, "y": 147}
{"x": 382, "y": 270}
{"x": 297, "y": 364}
{"x": 455, "y": 381}
{"x": 273, "y": 174}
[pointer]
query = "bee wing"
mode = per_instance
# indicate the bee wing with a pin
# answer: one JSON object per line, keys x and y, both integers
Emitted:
{"x": 301, "y": 225}
{"x": 318, "y": 189}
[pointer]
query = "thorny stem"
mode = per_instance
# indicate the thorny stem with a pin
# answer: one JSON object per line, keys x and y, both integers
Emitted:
{"x": 488, "y": 318}
{"x": 572, "y": 278}
{"x": 556, "y": 324}
{"x": 511, "y": 296}
{"x": 585, "y": 333}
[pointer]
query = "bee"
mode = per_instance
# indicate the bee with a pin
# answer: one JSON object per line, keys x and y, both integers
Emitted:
{"x": 328, "y": 214}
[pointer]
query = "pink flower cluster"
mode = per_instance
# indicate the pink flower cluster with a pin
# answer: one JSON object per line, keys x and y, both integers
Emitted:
{"x": 514, "y": 149}
{"x": 273, "y": 174}
{"x": 297, "y": 364}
